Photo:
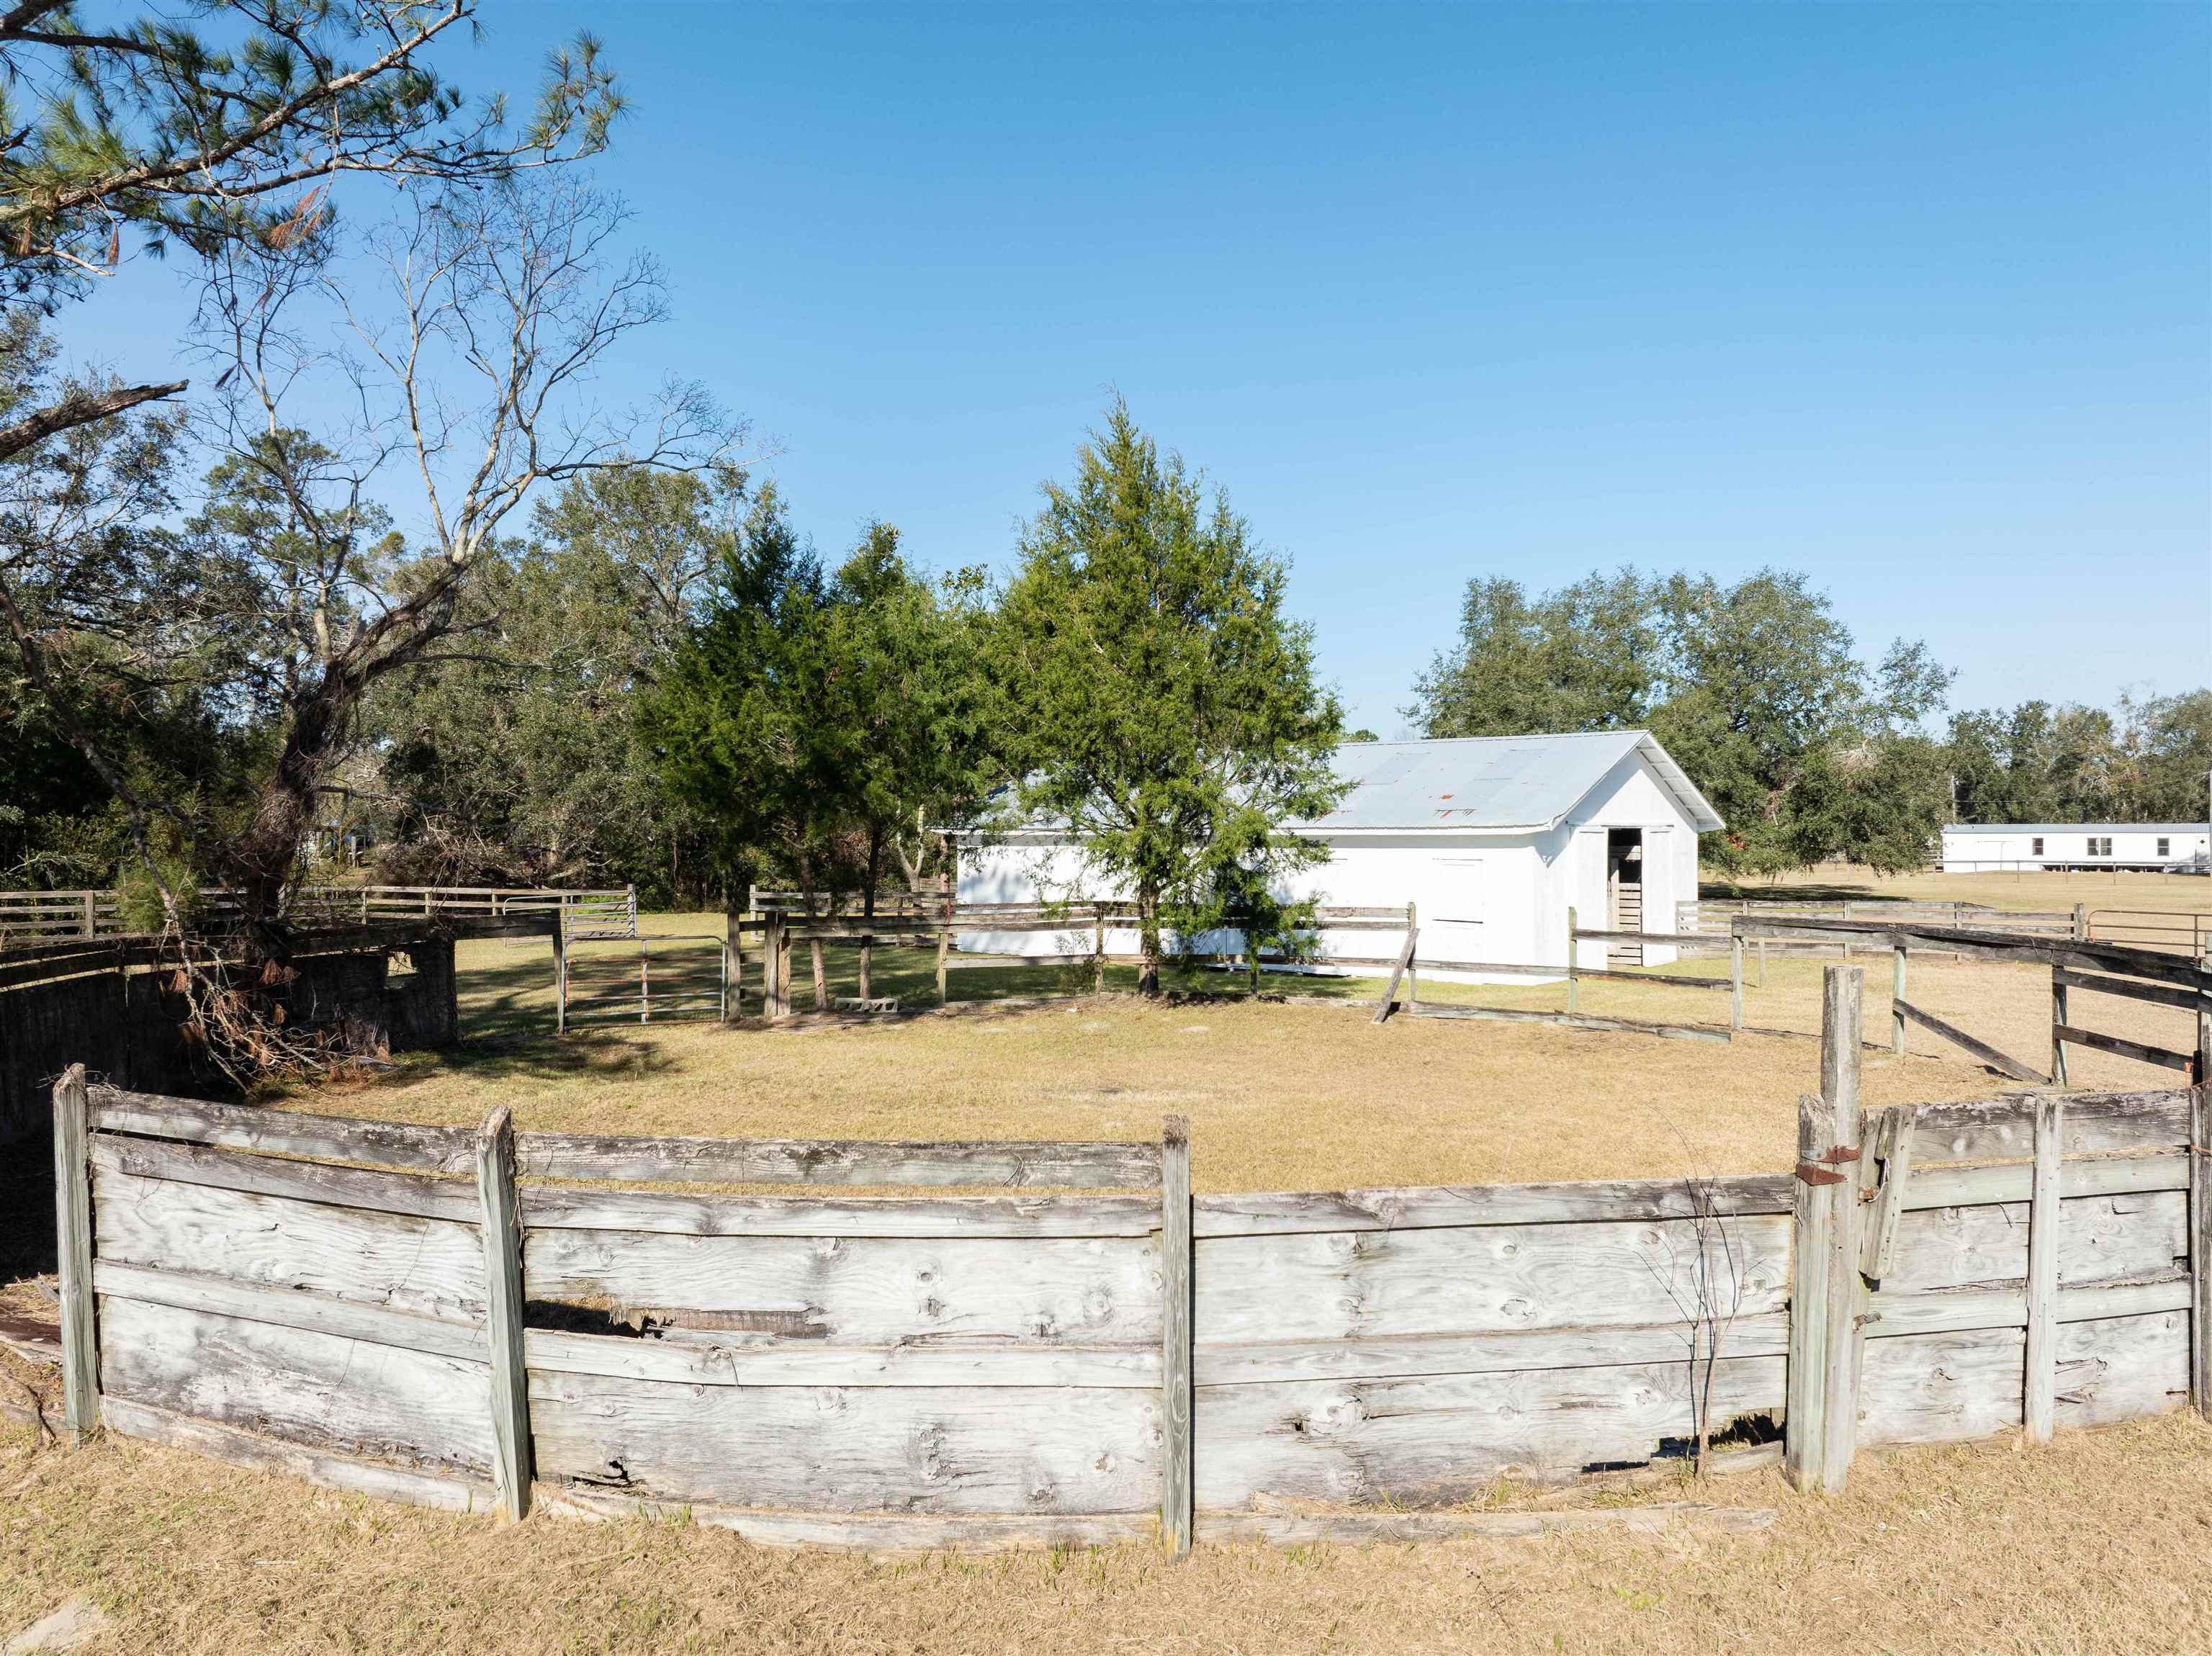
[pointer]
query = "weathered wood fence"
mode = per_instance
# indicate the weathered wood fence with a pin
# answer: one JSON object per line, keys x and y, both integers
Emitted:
{"x": 482, "y": 1319}
{"x": 109, "y": 1002}
{"x": 587, "y": 913}
{"x": 924, "y": 920}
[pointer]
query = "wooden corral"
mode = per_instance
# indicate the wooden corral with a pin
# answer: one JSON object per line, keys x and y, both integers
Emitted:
{"x": 482, "y": 1319}
{"x": 110, "y": 1004}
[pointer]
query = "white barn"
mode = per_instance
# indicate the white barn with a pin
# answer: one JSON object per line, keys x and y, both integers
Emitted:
{"x": 1993, "y": 847}
{"x": 1493, "y": 838}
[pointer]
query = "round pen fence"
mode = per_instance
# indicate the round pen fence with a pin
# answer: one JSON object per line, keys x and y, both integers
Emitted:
{"x": 482, "y": 1318}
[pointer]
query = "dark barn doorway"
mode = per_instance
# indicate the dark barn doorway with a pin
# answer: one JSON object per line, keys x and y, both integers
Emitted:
{"x": 1624, "y": 893}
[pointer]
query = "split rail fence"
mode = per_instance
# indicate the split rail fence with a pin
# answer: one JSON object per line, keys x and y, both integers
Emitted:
{"x": 481, "y": 1318}
{"x": 25, "y": 915}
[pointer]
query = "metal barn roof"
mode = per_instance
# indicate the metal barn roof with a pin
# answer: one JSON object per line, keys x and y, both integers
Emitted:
{"x": 2073, "y": 828}
{"x": 1496, "y": 782}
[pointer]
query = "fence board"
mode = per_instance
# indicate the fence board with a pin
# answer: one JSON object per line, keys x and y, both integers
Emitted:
{"x": 2163, "y": 1057}
{"x": 2101, "y": 1239}
{"x": 1484, "y": 1280}
{"x": 450, "y": 1335}
{"x": 2096, "y": 1123}
{"x": 381, "y": 1258}
{"x": 739, "y": 1360}
{"x": 2126, "y": 1175}
{"x": 1948, "y": 1388}
{"x": 1962, "y": 1311}
{"x": 319, "y": 1390}
{"x": 678, "y": 1213}
{"x": 1762, "y": 1334}
{"x": 1449, "y": 1438}
{"x": 1422, "y": 1207}
{"x": 1035, "y": 1164}
{"x": 1958, "y": 1037}
{"x": 855, "y": 1449}
{"x": 863, "y": 1290}
{"x": 2158, "y": 994}
{"x": 266, "y": 1454}
{"x": 248, "y": 1127}
{"x": 268, "y": 1175}
{"x": 1038, "y": 1164}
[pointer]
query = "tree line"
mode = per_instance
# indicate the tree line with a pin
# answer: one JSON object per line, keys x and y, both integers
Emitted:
{"x": 506, "y": 633}
{"x": 1810, "y": 752}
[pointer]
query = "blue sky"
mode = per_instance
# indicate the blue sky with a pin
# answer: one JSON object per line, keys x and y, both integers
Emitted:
{"x": 1917, "y": 299}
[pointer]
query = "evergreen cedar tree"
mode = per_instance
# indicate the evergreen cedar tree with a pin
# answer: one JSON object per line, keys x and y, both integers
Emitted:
{"x": 827, "y": 721}
{"x": 1164, "y": 708}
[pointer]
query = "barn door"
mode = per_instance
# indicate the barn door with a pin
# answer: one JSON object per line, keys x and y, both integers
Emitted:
{"x": 1624, "y": 893}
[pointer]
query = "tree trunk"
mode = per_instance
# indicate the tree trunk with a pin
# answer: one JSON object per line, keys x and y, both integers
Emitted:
{"x": 813, "y": 944}
{"x": 1148, "y": 947}
{"x": 868, "y": 908}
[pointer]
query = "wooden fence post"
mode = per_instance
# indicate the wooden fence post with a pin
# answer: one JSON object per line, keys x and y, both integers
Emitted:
{"x": 89, "y": 923}
{"x": 2200, "y": 1248}
{"x": 944, "y": 945}
{"x": 2040, "y": 1387}
{"x": 2080, "y": 923}
{"x": 1098, "y": 949}
{"x": 501, "y": 1234}
{"x": 1820, "y": 1427}
{"x": 1804, "y": 1412}
{"x": 775, "y": 989}
{"x": 2059, "y": 1021}
{"x": 734, "y": 963}
{"x": 1413, "y": 964}
{"x": 73, "y": 1235}
{"x": 1735, "y": 980}
{"x": 1176, "y": 1334}
{"x": 1842, "y": 1030}
{"x": 560, "y": 975}
{"x": 2200, "y": 1211}
{"x": 1574, "y": 984}
{"x": 1896, "y": 994}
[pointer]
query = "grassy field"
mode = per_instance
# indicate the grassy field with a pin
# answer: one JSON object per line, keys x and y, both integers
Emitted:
{"x": 1280, "y": 1096}
{"x": 2026, "y": 889}
{"x": 2096, "y": 1543}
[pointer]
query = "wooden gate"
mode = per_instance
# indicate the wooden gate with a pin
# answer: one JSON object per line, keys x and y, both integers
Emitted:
{"x": 668, "y": 980}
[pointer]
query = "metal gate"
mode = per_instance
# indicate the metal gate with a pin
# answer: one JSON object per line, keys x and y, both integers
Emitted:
{"x": 669, "y": 980}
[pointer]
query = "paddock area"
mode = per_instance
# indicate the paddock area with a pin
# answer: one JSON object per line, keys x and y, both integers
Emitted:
{"x": 1280, "y": 1096}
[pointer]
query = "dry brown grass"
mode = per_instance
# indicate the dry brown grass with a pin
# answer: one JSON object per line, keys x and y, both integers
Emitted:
{"x": 1279, "y": 1096}
{"x": 2097, "y": 1543}
{"x": 2025, "y": 889}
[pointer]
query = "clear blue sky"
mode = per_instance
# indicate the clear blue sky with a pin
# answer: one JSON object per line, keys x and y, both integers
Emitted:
{"x": 1916, "y": 299}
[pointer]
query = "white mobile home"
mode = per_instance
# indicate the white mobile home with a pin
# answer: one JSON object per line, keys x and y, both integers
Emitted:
{"x": 1494, "y": 839}
{"x": 1995, "y": 848}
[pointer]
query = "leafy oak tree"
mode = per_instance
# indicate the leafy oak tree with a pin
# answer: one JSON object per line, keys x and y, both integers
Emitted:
{"x": 1755, "y": 688}
{"x": 1164, "y": 707}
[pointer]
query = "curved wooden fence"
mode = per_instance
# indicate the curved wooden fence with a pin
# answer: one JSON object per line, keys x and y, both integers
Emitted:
{"x": 478, "y": 1319}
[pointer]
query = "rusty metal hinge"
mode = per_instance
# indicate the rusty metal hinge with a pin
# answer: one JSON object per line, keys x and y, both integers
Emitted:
{"x": 1811, "y": 1175}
